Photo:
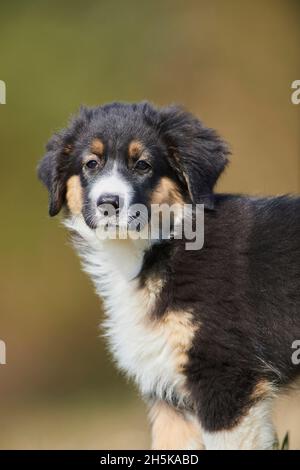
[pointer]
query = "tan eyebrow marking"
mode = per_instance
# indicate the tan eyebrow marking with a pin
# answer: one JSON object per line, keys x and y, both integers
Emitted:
{"x": 97, "y": 147}
{"x": 135, "y": 148}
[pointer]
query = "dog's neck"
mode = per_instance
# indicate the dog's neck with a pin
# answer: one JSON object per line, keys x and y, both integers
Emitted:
{"x": 124, "y": 256}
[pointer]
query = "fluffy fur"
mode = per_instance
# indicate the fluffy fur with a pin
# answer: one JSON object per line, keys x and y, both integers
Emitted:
{"x": 207, "y": 335}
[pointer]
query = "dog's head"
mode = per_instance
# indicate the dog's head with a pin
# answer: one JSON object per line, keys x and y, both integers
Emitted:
{"x": 120, "y": 155}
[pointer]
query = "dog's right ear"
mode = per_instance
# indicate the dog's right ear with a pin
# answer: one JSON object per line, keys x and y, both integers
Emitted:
{"x": 196, "y": 152}
{"x": 52, "y": 171}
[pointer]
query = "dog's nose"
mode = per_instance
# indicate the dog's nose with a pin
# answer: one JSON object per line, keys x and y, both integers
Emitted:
{"x": 109, "y": 200}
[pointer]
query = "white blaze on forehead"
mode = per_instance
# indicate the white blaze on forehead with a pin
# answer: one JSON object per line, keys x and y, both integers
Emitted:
{"x": 113, "y": 183}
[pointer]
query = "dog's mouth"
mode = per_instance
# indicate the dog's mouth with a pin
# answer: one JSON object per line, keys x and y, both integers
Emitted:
{"x": 132, "y": 222}
{"x": 121, "y": 220}
{"x": 136, "y": 219}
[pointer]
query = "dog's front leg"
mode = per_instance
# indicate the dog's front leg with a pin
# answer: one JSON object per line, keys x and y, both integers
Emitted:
{"x": 254, "y": 431}
{"x": 173, "y": 429}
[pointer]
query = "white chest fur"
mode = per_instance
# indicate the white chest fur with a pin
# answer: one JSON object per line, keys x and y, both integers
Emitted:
{"x": 153, "y": 352}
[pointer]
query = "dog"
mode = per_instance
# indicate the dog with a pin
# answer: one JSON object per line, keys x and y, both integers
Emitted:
{"x": 206, "y": 334}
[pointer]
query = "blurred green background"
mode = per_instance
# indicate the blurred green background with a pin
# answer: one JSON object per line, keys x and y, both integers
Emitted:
{"x": 230, "y": 62}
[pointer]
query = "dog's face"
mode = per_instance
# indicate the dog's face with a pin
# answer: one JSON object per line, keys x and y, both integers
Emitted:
{"x": 115, "y": 159}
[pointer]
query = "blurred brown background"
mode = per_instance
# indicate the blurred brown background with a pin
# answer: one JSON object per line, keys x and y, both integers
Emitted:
{"x": 232, "y": 63}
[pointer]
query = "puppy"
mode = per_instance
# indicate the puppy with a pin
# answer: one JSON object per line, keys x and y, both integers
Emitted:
{"x": 207, "y": 334}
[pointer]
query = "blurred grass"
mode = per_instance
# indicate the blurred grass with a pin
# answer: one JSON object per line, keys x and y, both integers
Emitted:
{"x": 105, "y": 421}
{"x": 230, "y": 62}
{"x": 82, "y": 423}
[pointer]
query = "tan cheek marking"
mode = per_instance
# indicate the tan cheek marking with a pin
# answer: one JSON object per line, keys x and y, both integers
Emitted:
{"x": 172, "y": 430}
{"x": 74, "y": 195}
{"x": 135, "y": 148}
{"x": 166, "y": 192}
{"x": 97, "y": 147}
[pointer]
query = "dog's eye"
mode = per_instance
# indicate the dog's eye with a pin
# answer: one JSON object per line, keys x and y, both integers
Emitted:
{"x": 91, "y": 164}
{"x": 142, "y": 165}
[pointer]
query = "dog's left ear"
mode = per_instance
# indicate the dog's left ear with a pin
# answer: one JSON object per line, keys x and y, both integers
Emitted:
{"x": 197, "y": 152}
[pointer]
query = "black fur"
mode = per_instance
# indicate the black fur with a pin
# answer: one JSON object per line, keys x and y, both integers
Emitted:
{"x": 243, "y": 287}
{"x": 194, "y": 154}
